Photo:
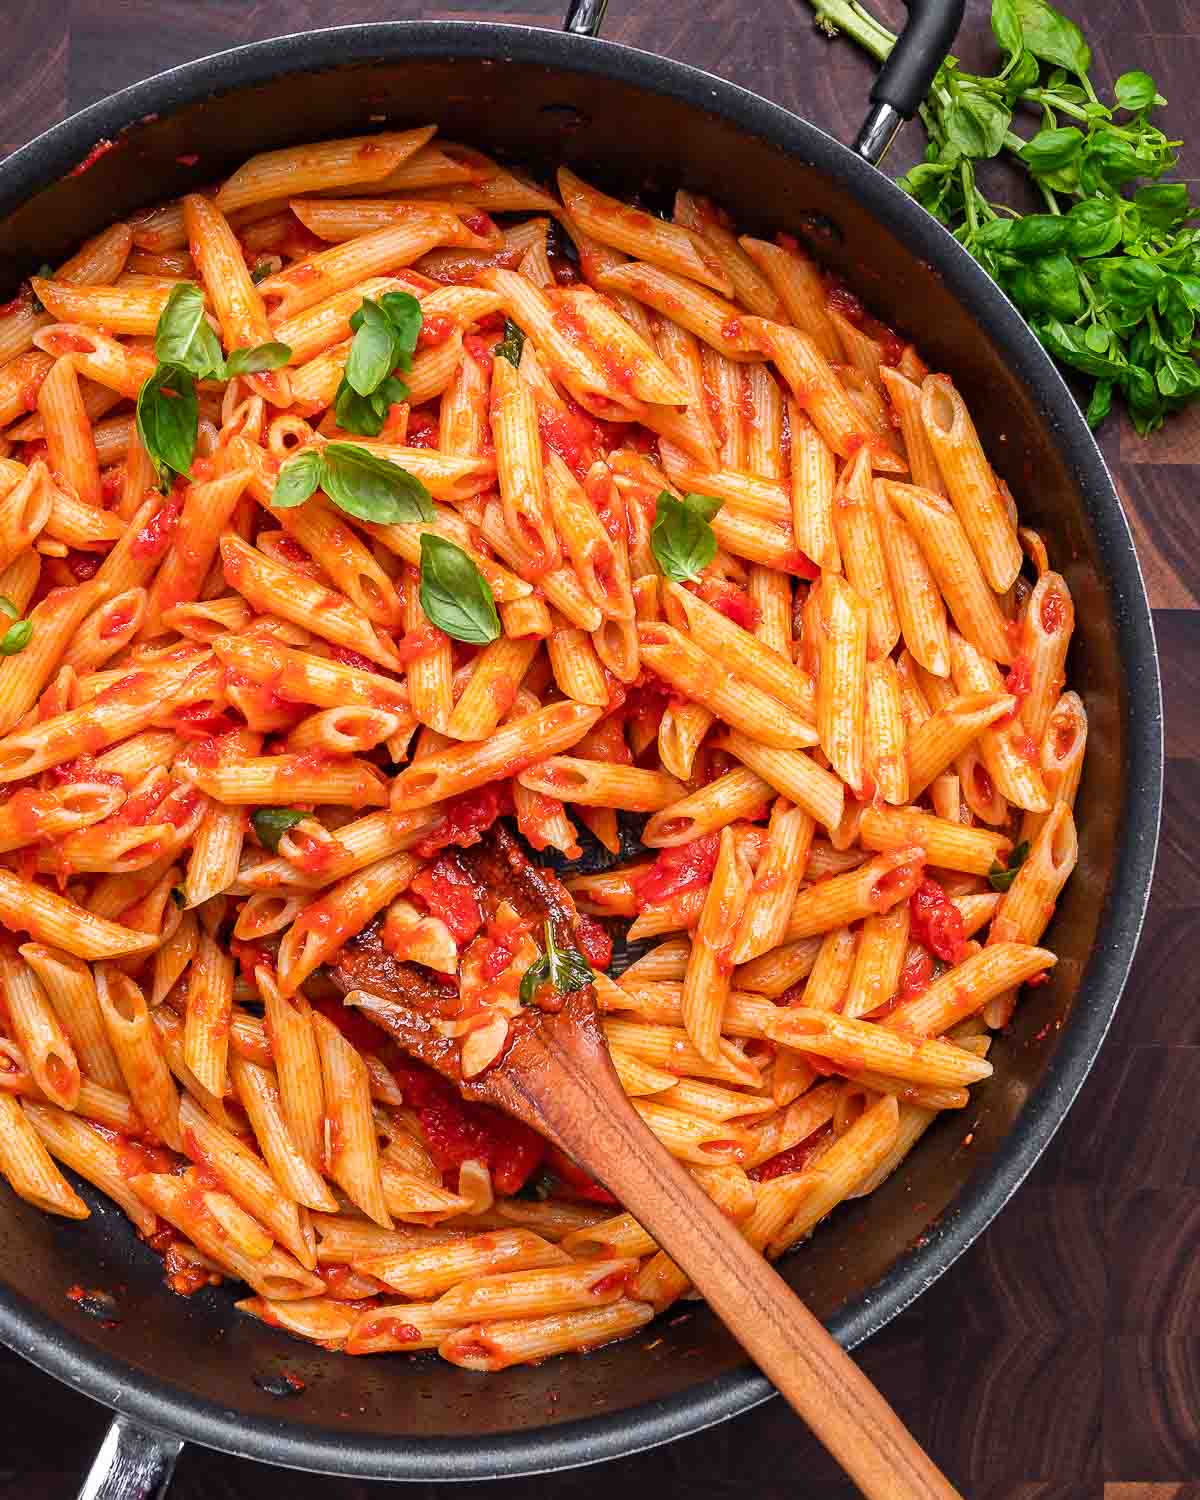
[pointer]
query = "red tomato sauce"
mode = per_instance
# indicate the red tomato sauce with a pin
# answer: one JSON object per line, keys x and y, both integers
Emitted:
{"x": 468, "y": 817}
{"x": 936, "y": 922}
{"x": 594, "y": 943}
{"x": 795, "y": 1159}
{"x": 675, "y": 872}
{"x": 449, "y": 894}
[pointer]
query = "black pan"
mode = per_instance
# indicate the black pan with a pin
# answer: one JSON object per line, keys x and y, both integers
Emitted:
{"x": 186, "y": 1369}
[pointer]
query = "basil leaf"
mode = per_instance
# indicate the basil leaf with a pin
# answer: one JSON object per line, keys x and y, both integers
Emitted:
{"x": 183, "y": 337}
{"x": 977, "y": 123}
{"x": 1177, "y": 376}
{"x": 262, "y": 271}
{"x": 372, "y": 488}
{"x": 1101, "y": 403}
{"x": 1001, "y": 876}
{"x": 1047, "y": 285}
{"x": 681, "y": 539}
{"x": 366, "y": 415}
{"x": 454, "y": 593}
{"x": 1037, "y": 234}
{"x": 1006, "y": 27}
{"x": 271, "y": 823}
{"x": 1023, "y": 76}
{"x": 563, "y": 969}
{"x": 16, "y": 638}
{"x": 404, "y": 314}
{"x": 1093, "y": 227}
{"x": 1053, "y": 38}
{"x": 1051, "y": 150}
{"x": 511, "y": 344}
{"x": 253, "y": 361}
{"x": 1163, "y": 205}
{"x": 373, "y": 354}
{"x": 7, "y": 607}
{"x": 298, "y": 479}
{"x": 1136, "y": 90}
{"x": 168, "y": 417}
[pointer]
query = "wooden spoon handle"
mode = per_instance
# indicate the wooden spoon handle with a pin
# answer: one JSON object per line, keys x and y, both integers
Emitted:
{"x": 577, "y": 1100}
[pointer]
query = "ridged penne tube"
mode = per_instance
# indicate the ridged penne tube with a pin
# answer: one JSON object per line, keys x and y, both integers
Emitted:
{"x": 29, "y": 816}
{"x": 277, "y": 1276}
{"x": 35, "y": 1027}
{"x": 841, "y": 622}
{"x": 28, "y": 1168}
{"x": 313, "y": 168}
{"x": 538, "y": 1293}
{"x": 608, "y": 892}
{"x": 118, "y": 367}
{"x": 861, "y": 549}
{"x": 71, "y": 449}
{"x": 831, "y": 972}
{"x": 305, "y": 678}
{"x": 445, "y": 477}
{"x": 776, "y": 881}
{"x": 321, "y": 1320}
{"x": 61, "y": 923}
{"x": 289, "y": 1022}
{"x": 863, "y": 1044}
{"x": 576, "y": 666}
{"x": 942, "y": 738}
{"x": 430, "y": 1269}
{"x": 108, "y": 629}
{"x": 748, "y": 657}
{"x": 905, "y": 398}
{"x": 885, "y": 735}
{"x": 797, "y": 282}
{"x": 24, "y": 510}
{"x": 793, "y": 773}
{"x": 735, "y": 795}
{"x": 351, "y": 1151}
{"x": 362, "y": 842}
{"x": 273, "y": 589}
{"x": 115, "y": 309}
{"x": 814, "y": 385}
{"x": 216, "y": 853}
{"x": 94, "y": 1155}
{"x": 19, "y": 381}
{"x": 1008, "y": 751}
{"x": 327, "y": 323}
{"x": 951, "y": 846}
{"x": 946, "y": 549}
{"x": 640, "y": 234}
{"x": 338, "y": 219}
{"x": 267, "y": 780}
{"x": 878, "y": 962}
{"x": 597, "y": 784}
{"x": 621, "y": 1235}
{"x": 813, "y": 474}
{"x": 841, "y": 1169}
{"x": 463, "y": 417}
{"x": 320, "y": 276}
{"x": 346, "y": 909}
{"x": 209, "y": 1007}
{"x": 205, "y": 621}
{"x": 173, "y": 957}
{"x": 1046, "y": 629}
{"x": 407, "y": 1326}
{"x": 681, "y": 731}
{"x": 134, "y": 1041}
{"x": 711, "y": 318}
{"x": 492, "y": 687}
{"x": 776, "y": 972}
{"x": 706, "y": 982}
{"x": 670, "y": 1048}
{"x": 967, "y": 988}
{"x": 697, "y": 673}
{"x": 247, "y": 1180}
{"x": 753, "y": 496}
{"x": 691, "y": 1138}
{"x": 642, "y": 372}
{"x": 639, "y": 1077}
{"x": 513, "y": 747}
{"x": 79, "y": 525}
{"x": 71, "y": 990}
{"x": 751, "y": 288}
{"x": 343, "y": 731}
{"x": 1061, "y": 758}
{"x": 874, "y": 887}
{"x": 601, "y": 561}
{"x": 519, "y": 470}
{"x": 771, "y": 595}
{"x": 970, "y": 481}
{"x": 207, "y": 509}
{"x": 1026, "y": 907}
{"x": 19, "y": 579}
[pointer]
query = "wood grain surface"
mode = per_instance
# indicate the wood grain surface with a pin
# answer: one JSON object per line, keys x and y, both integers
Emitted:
{"x": 1060, "y": 1358}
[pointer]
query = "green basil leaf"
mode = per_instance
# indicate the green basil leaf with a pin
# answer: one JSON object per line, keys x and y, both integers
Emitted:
{"x": 1107, "y": 162}
{"x": 1101, "y": 403}
{"x": 1006, "y": 27}
{"x": 454, "y": 594}
{"x": 366, "y": 415}
{"x": 168, "y": 416}
{"x": 977, "y": 123}
{"x": 1023, "y": 76}
{"x": 1071, "y": 346}
{"x": 253, "y": 361}
{"x": 1037, "y": 234}
{"x": 183, "y": 337}
{"x": 298, "y": 479}
{"x": 542, "y": 1184}
{"x": 1053, "y": 38}
{"x": 1002, "y": 876}
{"x": 565, "y": 970}
{"x": 1130, "y": 282}
{"x": 1135, "y": 90}
{"x": 511, "y": 344}
{"x": 372, "y": 488}
{"x": 1163, "y": 205}
{"x": 271, "y": 823}
{"x": 16, "y": 638}
{"x": 373, "y": 354}
{"x": 1177, "y": 376}
{"x": 1047, "y": 285}
{"x": 262, "y": 271}
{"x": 681, "y": 538}
{"x": 7, "y": 607}
{"x": 1093, "y": 227}
{"x": 1051, "y": 150}
{"x": 404, "y": 314}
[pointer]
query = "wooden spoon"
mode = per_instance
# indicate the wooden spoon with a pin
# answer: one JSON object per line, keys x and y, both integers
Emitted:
{"x": 558, "y": 1078}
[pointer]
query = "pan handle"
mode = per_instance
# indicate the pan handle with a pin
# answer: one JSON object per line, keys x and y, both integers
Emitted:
{"x": 585, "y": 17}
{"x": 905, "y": 77}
{"x": 134, "y": 1463}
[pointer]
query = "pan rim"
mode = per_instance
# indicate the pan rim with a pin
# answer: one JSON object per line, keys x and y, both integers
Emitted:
{"x": 149, "y": 1401}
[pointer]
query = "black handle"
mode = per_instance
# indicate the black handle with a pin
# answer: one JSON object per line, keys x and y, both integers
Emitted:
{"x": 905, "y": 77}
{"x": 584, "y": 17}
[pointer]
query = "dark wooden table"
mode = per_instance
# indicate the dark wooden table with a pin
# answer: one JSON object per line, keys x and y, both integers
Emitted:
{"x": 1060, "y": 1358}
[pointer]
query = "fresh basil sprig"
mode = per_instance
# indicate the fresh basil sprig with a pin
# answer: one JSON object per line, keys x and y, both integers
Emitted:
{"x": 271, "y": 823}
{"x": 1108, "y": 275}
{"x": 385, "y": 335}
{"x": 454, "y": 593}
{"x": 357, "y": 481}
{"x": 511, "y": 344}
{"x": 563, "y": 969}
{"x": 681, "y": 538}
{"x": 16, "y": 638}
{"x": 188, "y": 350}
{"x": 1001, "y": 876}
